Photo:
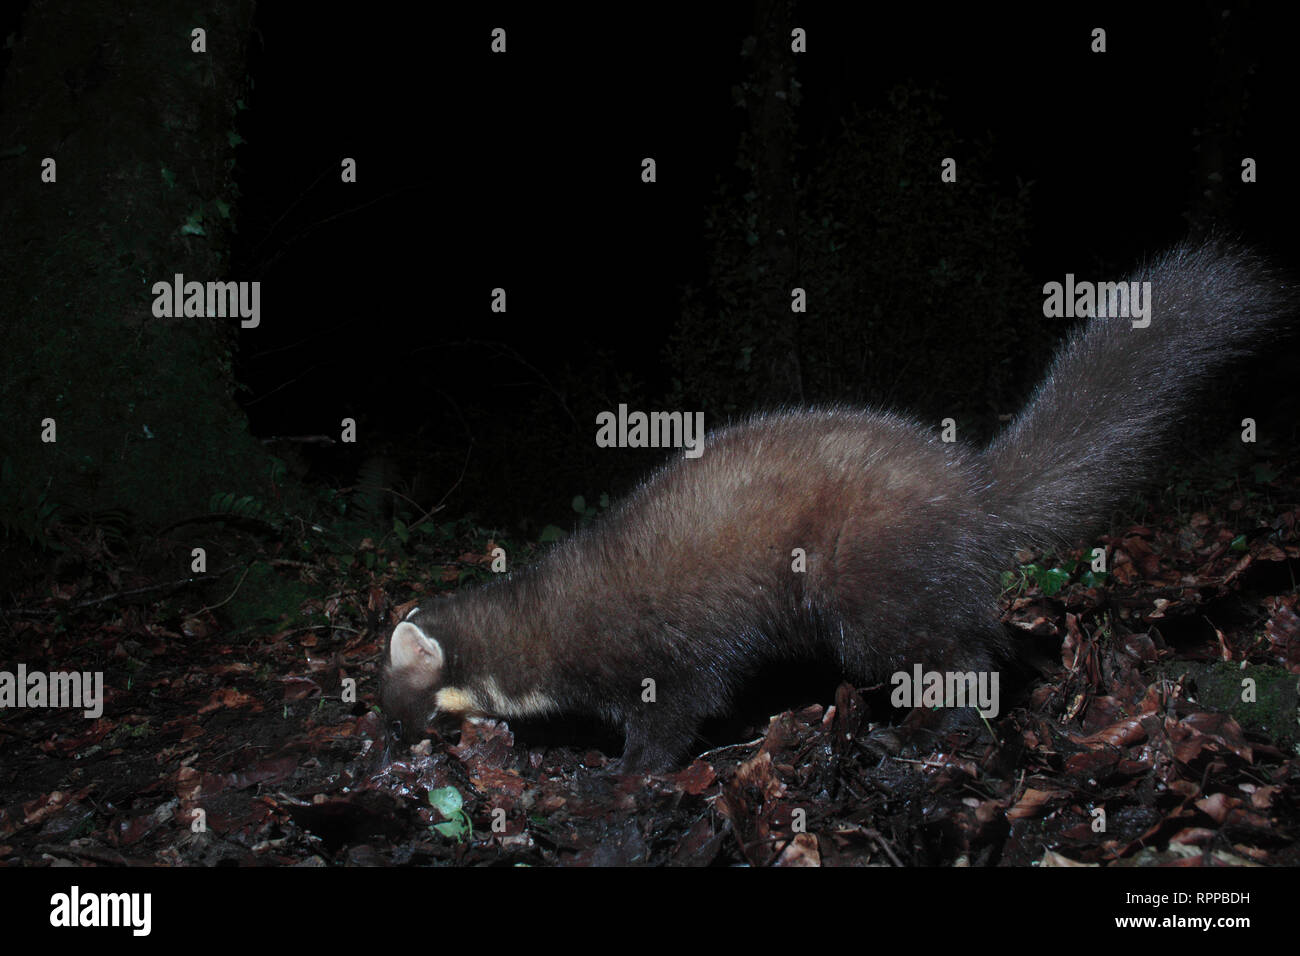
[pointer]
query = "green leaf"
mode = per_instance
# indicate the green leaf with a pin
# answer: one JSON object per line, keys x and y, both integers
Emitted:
{"x": 446, "y": 800}
{"x": 452, "y": 828}
{"x": 550, "y": 533}
{"x": 580, "y": 504}
{"x": 1052, "y": 581}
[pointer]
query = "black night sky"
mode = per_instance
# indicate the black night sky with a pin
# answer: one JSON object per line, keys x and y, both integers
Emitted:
{"x": 521, "y": 171}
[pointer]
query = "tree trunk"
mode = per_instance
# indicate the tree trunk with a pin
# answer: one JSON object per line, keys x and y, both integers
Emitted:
{"x": 138, "y": 132}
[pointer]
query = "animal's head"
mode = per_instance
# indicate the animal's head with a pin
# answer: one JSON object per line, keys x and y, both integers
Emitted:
{"x": 410, "y": 679}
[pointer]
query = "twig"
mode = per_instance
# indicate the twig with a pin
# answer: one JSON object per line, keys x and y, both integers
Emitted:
{"x": 229, "y": 596}
{"x": 98, "y": 855}
{"x": 39, "y": 612}
{"x": 301, "y": 439}
{"x": 875, "y": 835}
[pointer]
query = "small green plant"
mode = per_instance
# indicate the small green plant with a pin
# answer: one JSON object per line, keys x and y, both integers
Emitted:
{"x": 456, "y": 822}
{"x": 586, "y": 515}
{"x": 228, "y": 504}
{"x": 245, "y": 507}
{"x": 1050, "y": 580}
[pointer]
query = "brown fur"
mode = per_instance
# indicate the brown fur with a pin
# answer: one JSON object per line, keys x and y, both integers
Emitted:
{"x": 689, "y": 581}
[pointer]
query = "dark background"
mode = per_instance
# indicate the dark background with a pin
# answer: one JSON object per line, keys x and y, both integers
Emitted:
{"x": 522, "y": 171}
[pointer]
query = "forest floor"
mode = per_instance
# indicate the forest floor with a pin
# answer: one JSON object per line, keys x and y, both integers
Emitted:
{"x": 1154, "y": 723}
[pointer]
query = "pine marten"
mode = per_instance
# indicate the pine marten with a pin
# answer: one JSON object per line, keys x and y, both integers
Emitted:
{"x": 690, "y": 581}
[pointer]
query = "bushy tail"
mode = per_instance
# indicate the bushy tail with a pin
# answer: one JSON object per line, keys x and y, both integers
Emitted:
{"x": 1095, "y": 426}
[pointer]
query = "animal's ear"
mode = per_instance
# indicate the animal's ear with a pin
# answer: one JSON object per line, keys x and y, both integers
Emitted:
{"x": 415, "y": 655}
